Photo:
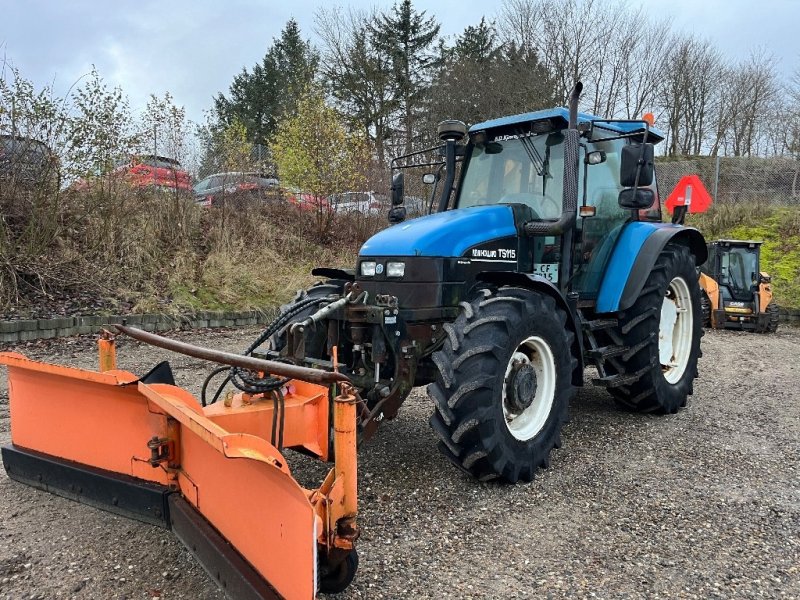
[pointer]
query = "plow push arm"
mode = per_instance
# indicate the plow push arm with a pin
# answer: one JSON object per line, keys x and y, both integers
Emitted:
{"x": 213, "y": 475}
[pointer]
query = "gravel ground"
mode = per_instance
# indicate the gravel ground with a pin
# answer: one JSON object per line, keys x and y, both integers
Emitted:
{"x": 702, "y": 504}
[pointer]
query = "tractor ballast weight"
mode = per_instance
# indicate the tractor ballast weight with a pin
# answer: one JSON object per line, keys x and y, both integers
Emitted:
{"x": 543, "y": 252}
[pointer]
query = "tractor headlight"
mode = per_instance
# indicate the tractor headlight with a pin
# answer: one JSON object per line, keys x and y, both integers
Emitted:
{"x": 368, "y": 268}
{"x": 395, "y": 269}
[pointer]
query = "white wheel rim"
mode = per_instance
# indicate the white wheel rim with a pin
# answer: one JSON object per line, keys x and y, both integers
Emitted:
{"x": 526, "y": 424}
{"x": 675, "y": 330}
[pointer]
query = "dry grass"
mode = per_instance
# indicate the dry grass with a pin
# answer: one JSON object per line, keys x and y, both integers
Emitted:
{"x": 145, "y": 250}
{"x": 116, "y": 249}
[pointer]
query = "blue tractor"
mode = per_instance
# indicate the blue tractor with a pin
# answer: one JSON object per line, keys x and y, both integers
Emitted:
{"x": 543, "y": 253}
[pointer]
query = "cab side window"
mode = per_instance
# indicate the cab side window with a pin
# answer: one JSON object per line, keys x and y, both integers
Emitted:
{"x": 599, "y": 232}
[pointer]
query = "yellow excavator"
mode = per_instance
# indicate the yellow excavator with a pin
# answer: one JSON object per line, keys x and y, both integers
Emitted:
{"x": 735, "y": 293}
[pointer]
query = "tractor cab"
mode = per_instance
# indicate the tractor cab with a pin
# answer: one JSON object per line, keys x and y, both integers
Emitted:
{"x": 736, "y": 267}
{"x": 507, "y": 201}
{"x": 521, "y": 160}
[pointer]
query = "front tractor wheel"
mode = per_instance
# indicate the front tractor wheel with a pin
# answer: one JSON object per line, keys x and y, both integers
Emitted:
{"x": 503, "y": 385}
{"x": 305, "y": 304}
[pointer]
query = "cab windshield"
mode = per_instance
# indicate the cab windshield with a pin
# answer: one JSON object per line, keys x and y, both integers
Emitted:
{"x": 527, "y": 170}
{"x": 740, "y": 271}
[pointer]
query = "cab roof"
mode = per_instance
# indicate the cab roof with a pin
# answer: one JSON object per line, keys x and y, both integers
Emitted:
{"x": 738, "y": 242}
{"x": 560, "y": 118}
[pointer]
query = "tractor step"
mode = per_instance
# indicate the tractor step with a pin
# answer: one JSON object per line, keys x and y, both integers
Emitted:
{"x": 598, "y": 324}
{"x": 620, "y": 379}
{"x": 606, "y": 352}
{"x": 613, "y": 381}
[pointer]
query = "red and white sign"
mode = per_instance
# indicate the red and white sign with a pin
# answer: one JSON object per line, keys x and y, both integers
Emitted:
{"x": 691, "y": 193}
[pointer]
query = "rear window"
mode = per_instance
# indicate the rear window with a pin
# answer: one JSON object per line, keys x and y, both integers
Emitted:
{"x": 202, "y": 185}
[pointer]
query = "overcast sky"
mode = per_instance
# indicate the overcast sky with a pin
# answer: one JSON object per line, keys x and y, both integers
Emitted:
{"x": 194, "y": 48}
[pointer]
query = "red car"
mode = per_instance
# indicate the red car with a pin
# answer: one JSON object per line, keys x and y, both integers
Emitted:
{"x": 305, "y": 201}
{"x": 157, "y": 171}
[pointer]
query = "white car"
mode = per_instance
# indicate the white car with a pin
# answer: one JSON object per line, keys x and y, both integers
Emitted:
{"x": 366, "y": 203}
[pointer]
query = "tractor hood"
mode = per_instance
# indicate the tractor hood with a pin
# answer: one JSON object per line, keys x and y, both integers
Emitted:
{"x": 447, "y": 234}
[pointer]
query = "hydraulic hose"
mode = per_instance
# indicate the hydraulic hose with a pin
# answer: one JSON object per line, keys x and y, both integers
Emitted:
{"x": 240, "y": 378}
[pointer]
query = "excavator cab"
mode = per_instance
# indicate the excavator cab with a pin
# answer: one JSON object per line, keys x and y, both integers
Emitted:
{"x": 736, "y": 294}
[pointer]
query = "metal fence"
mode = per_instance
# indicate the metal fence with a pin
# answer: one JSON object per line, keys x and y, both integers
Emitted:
{"x": 735, "y": 178}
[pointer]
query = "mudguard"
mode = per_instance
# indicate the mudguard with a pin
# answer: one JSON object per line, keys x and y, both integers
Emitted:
{"x": 333, "y": 273}
{"x": 633, "y": 257}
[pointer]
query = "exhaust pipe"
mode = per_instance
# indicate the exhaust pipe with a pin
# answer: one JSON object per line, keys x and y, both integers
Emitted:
{"x": 569, "y": 208}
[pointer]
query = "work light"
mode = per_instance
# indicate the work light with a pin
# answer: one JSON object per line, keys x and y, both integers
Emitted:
{"x": 368, "y": 268}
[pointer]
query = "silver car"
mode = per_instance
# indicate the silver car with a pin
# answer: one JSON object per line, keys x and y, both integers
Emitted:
{"x": 366, "y": 203}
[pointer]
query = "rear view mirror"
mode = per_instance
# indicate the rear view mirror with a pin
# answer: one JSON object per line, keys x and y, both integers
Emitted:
{"x": 398, "y": 185}
{"x": 397, "y": 214}
{"x": 643, "y": 198}
{"x": 595, "y": 158}
{"x": 493, "y": 148}
{"x": 429, "y": 178}
{"x": 630, "y": 164}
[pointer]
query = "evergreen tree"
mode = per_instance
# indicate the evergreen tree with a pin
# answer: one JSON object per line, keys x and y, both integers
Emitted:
{"x": 478, "y": 43}
{"x": 259, "y": 98}
{"x": 480, "y": 78}
{"x": 408, "y": 39}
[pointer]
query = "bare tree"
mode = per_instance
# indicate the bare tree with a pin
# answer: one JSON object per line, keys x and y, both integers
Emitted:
{"x": 690, "y": 92}
{"x": 644, "y": 62}
{"x": 569, "y": 41}
{"x": 753, "y": 97}
{"x": 359, "y": 77}
{"x": 791, "y": 128}
{"x": 519, "y": 22}
{"x": 587, "y": 40}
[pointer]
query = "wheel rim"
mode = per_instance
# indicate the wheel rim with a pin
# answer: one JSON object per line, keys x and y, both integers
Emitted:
{"x": 675, "y": 330}
{"x": 526, "y": 423}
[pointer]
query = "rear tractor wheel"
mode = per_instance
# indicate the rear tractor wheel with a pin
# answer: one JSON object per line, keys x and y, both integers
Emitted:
{"x": 504, "y": 383}
{"x": 663, "y": 330}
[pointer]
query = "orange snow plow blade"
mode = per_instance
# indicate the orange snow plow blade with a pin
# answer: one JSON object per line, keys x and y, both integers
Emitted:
{"x": 211, "y": 474}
